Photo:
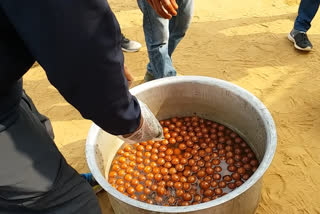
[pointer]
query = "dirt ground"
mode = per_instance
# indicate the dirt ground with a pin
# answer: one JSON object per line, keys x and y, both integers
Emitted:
{"x": 243, "y": 42}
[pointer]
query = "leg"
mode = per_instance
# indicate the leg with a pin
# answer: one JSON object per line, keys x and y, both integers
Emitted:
{"x": 307, "y": 11}
{"x": 179, "y": 24}
{"x": 34, "y": 176}
{"x": 156, "y": 31}
{"x": 43, "y": 119}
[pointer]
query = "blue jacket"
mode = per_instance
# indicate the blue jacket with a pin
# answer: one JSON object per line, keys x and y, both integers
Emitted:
{"x": 77, "y": 42}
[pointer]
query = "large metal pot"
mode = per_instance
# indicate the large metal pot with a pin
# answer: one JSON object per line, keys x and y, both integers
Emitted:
{"x": 212, "y": 99}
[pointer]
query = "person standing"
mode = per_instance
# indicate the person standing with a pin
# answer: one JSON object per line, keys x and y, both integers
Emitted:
{"x": 298, "y": 35}
{"x": 163, "y": 30}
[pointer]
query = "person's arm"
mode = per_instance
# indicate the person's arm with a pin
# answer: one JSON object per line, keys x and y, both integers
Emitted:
{"x": 77, "y": 42}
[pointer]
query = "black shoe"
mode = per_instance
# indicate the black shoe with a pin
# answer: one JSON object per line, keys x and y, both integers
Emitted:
{"x": 300, "y": 40}
{"x": 128, "y": 45}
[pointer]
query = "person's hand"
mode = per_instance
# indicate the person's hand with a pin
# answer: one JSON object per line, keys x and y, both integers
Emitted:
{"x": 164, "y": 8}
{"x": 149, "y": 129}
{"x": 128, "y": 75}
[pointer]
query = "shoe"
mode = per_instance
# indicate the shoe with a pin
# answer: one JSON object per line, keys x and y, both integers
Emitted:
{"x": 148, "y": 77}
{"x": 93, "y": 183}
{"x": 128, "y": 45}
{"x": 300, "y": 40}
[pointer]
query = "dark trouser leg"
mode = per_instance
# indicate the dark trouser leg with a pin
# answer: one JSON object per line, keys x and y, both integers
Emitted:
{"x": 43, "y": 119}
{"x": 307, "y": 11}
{"x": 34, "y": 176}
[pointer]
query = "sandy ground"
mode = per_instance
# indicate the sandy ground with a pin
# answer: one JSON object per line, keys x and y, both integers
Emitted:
{"x": 239, "y": 41}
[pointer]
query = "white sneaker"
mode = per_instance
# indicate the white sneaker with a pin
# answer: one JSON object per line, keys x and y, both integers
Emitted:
{"x": 129, "y": 46}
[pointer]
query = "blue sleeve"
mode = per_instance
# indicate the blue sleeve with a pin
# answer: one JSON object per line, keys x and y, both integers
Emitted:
{"x": 77, "y": 42}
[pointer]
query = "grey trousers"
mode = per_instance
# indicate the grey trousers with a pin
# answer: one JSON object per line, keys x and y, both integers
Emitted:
{"x": 34, "y": 176}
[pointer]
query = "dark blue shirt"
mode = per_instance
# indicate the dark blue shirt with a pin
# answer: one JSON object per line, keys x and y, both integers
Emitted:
{"x": 77, "y": 42}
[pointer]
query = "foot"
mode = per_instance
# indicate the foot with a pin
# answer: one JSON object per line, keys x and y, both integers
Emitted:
{"x": 300, "y": 40}
{"x": 93, "y": 183}
{"x": 128, "y": 45}
{"x": 149, "y": 77}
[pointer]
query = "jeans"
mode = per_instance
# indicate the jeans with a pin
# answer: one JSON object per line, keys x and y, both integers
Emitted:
{"x": 162, "y": 36}
{"x": 307, "y": 11}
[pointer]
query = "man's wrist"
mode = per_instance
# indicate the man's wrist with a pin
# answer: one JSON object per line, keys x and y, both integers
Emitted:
{"x": 140, "y": 125}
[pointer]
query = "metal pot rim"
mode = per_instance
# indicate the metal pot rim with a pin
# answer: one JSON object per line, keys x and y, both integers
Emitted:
{"x": 266, "y": 161}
